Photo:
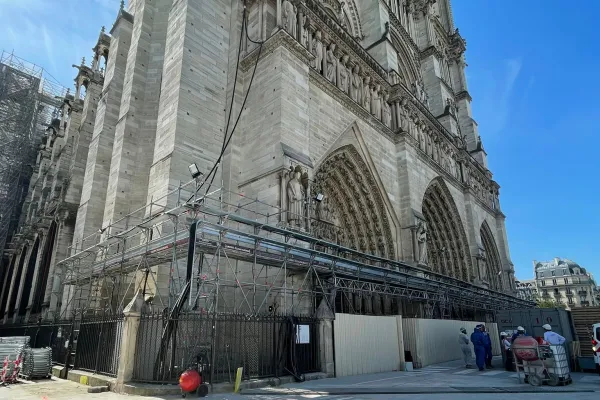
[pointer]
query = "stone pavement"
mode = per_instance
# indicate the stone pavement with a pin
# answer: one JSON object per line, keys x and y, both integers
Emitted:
{"x": 449, "y": 381}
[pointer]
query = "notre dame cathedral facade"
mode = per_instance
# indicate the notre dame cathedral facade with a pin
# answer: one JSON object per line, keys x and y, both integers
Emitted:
{"x": 361, "y": 105}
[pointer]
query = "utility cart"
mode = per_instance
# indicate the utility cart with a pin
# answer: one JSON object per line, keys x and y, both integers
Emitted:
{"x": 541, "y": 363}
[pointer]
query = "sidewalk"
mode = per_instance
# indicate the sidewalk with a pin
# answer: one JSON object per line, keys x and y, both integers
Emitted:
{"x": 449, "y": 377}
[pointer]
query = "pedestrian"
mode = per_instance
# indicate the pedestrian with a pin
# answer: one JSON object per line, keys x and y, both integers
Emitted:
{"x": 506, "y": 345}
{"x": 479, "y": 346}
{"x": 487, "y": 341}
{"x": 463, "y": 341}
{"x": 552, "y": 337}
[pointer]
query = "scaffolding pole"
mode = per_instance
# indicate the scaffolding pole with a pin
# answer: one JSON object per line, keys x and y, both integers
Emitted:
{"x": 282, "y": 270}
{"x": 29, "y": 100}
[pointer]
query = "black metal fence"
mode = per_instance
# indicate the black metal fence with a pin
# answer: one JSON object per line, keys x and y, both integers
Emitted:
{"x": 98, "y": 344}
{"x": 265, "y": 346}
{"x": 44, "y": 334}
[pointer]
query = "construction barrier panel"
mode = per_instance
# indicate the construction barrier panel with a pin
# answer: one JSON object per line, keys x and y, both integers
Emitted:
{"x": 434, "y": 341}
{"x": 367, "y": 344}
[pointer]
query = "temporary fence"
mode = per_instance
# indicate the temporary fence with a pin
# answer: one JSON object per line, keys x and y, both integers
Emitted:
{"x": 264, "y": 345}
{"x": 98, "y": 344}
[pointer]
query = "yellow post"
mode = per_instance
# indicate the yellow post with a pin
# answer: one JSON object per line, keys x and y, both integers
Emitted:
{"x": 238, "y": 379}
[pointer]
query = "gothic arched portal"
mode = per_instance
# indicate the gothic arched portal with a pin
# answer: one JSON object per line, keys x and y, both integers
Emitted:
{"x": 447, "y": 245}
{"x": 17, "y": 282}
{"x": 493, "y": 266}
{"x": 353, "y": 212}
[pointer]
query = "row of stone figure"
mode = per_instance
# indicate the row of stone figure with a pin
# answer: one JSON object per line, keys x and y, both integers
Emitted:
{"x": 340, "y": 71}
{"x": 338, "y": 68}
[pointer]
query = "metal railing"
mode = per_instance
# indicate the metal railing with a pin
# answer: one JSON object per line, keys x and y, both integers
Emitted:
{"x": 98, "y": 344}
{"x": 264, "y": 345}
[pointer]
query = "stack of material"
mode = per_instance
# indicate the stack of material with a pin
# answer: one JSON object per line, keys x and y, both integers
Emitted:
{"x": 11, "y": 355}
{"x": 24, "y": 340}
{"x": 37, "y": 363}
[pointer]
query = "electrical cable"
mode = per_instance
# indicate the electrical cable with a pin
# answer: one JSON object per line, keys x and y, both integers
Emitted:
{"x": 227, "y": 139}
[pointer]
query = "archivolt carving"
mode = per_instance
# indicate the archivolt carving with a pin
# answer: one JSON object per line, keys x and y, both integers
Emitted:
{"x": 447, "y": 245}
{"x": 493, "y": 266}
{"x": 346, "y": 13}
{"x": 353, "y": 207}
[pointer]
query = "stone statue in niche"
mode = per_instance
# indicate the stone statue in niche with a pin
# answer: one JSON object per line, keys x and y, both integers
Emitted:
{"x": 343, "y": 83}
{"x": 376, "y": 102}
{"x": 295, "y": 197}
{"x": 317, "y": 51}
{"x": 366, "y": 94}
{"x": 331, "y": 63}
{"x": 289, "y": 18}
{"x": 422, "y": 242}
{"x": 404, "y": 117}
{"x": 342, "y": 16}
{"x": 355, "y": 84}
{"x": 419, "y": 92}
{"x": 304, "y": 31}
{"x": 387, "y": 111}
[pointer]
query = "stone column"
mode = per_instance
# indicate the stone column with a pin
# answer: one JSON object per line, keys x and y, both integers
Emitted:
{"x": 131, "y": 324}
{"x": 326, "y": 346}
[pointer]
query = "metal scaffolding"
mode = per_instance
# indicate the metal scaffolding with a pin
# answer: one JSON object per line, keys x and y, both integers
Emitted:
{"x": 29, "y": 99}
{"x": 243, "y": 259}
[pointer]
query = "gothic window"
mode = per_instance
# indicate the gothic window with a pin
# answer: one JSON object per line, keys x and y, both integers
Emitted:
{"x": 447, "y": 245}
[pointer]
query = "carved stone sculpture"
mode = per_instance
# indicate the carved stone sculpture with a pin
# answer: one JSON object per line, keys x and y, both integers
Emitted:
{"x": 366, "y": 94}
{"x": 422, "y": 242}
{"x": 331, "y": 62}
{"x": 289, "y": 18}
{"x": 404, "y": 117}
{"x": 295, "y": 197}
{"x": 342, "y": 16}
{"x": 343, "y": 83}
{"x": 386, "y": 112}
{"x": 355, "y": 84}
{"x": 376, "y": 102}
{"x": 317, "y": 51}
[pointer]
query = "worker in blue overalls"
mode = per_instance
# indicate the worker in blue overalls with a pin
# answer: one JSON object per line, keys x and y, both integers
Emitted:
{"x": 479, "y": 345}
{"x": 487, "y": 340}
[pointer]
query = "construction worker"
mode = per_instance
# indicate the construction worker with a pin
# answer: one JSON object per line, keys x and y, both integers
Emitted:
{"x": 508, "y": 360}
{"x": 552, "y": 337}
{"x": 487, "y": 341}
{"x": 479, "y": 346}
{"x": 463, "y": 340}
{"x": 520, "y": 332}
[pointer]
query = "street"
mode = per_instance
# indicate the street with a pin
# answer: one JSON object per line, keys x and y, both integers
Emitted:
{"x": 446, "y": 381}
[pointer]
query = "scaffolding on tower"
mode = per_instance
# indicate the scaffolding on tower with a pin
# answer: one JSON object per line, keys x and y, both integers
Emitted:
{"x": 29, "y": 99}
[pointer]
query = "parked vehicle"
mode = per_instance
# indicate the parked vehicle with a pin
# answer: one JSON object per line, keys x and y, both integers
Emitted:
{"x": 596, "y": 344}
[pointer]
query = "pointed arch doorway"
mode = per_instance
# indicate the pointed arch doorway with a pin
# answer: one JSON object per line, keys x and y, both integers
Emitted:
{"x": 352, "y": 212}
{"x": 446, "y": 241}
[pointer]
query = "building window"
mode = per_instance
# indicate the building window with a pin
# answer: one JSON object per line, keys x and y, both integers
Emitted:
{"x": 569, "y": 291}
{"x": 543, "y": 283}
{"x": 566, "y": 281}
{"x": 554, "y": 282}
{"x": 541, "y": 275}
{"x": 570, "y": 299}
{"x": 553, "y": 274}
{"x": 564, "y": 271}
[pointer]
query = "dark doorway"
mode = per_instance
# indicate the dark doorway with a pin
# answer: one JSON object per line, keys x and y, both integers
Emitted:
{"x": 42, "y": 281}
{"x": 29, "y": 278}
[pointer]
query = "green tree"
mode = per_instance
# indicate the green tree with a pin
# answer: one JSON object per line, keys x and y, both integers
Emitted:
{"x": 548, "y": 303}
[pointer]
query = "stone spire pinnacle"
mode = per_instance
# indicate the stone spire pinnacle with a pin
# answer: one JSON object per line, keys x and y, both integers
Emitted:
{"x": 82, "y": 61}
{"x": 103, "y": 29}
{"x": 122, "y": 5}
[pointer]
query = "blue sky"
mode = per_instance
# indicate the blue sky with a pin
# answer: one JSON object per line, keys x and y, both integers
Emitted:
{"x": 533, "y": 74}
